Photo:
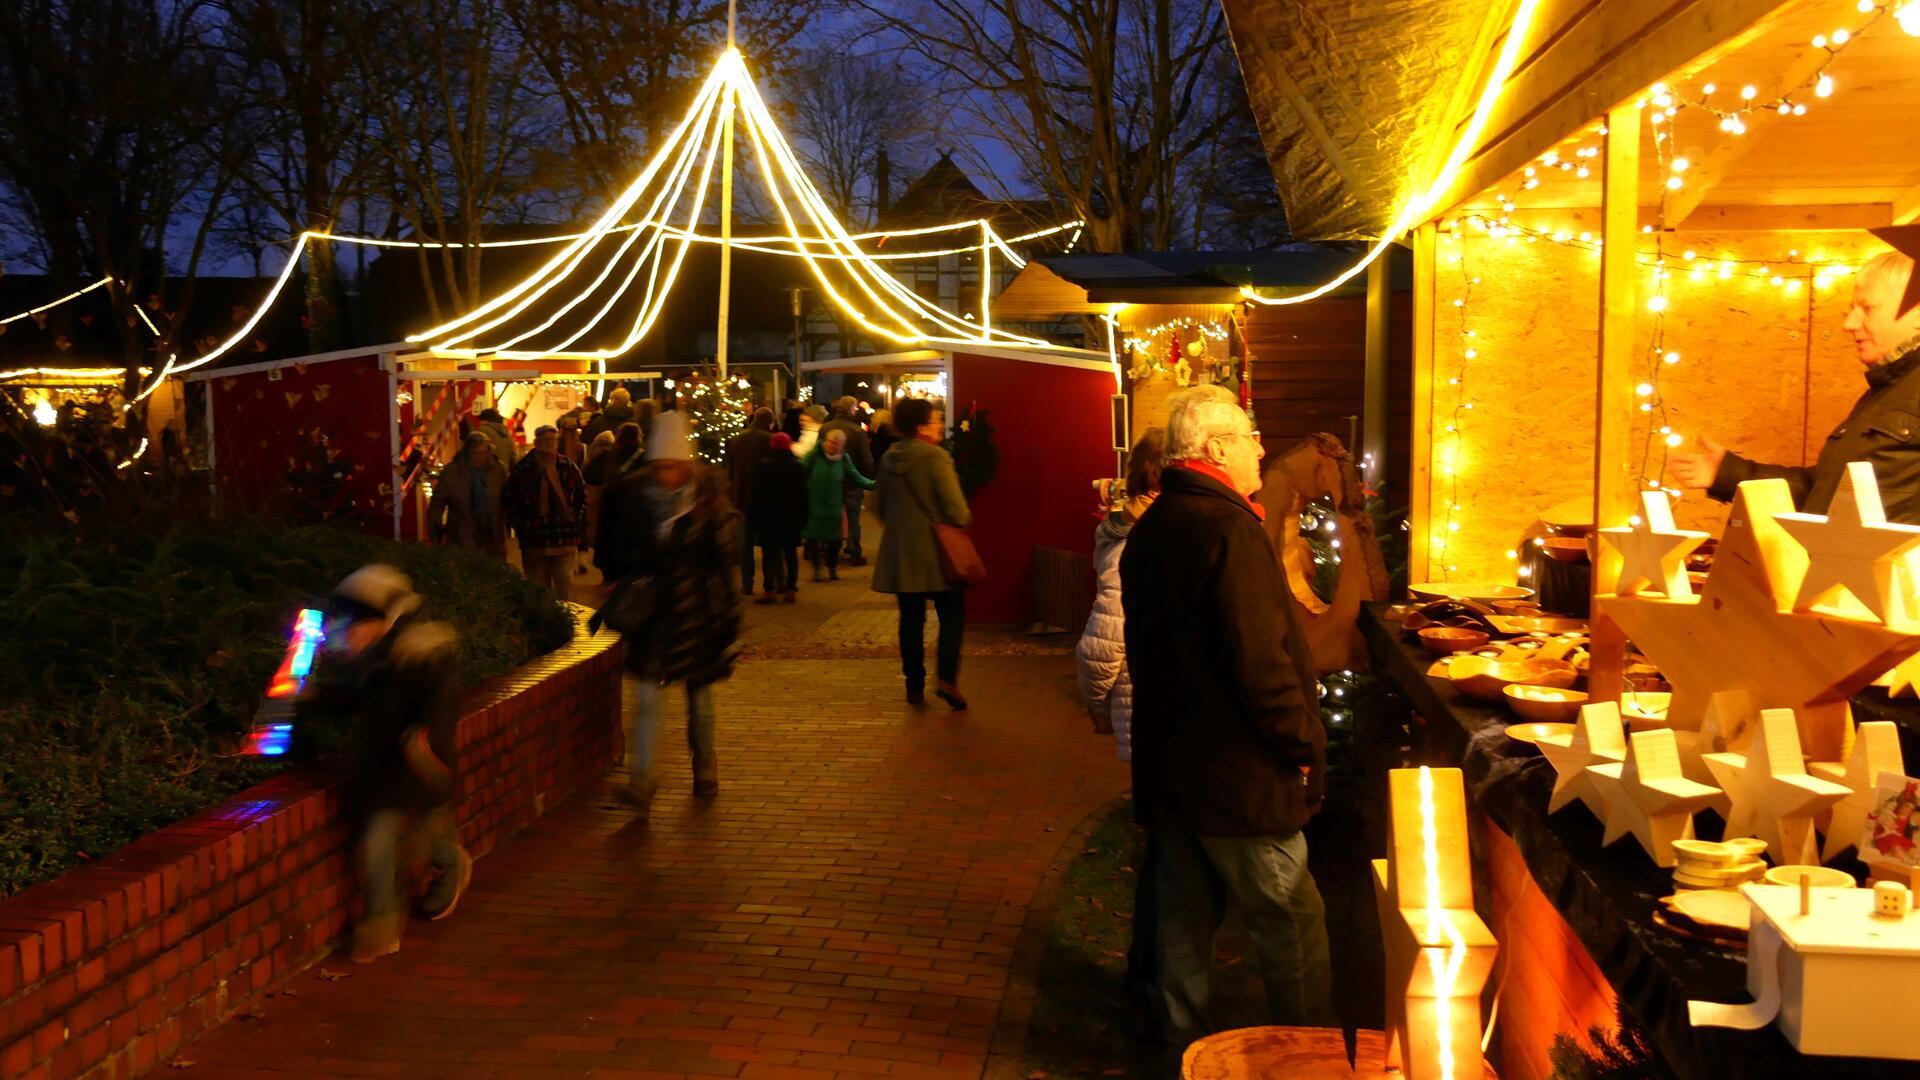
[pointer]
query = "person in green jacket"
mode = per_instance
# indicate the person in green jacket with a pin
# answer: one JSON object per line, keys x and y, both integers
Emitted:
{"x": 829, "y": 469}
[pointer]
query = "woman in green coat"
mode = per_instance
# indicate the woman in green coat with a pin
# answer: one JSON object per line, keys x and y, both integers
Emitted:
{"x": 828, "y": 470}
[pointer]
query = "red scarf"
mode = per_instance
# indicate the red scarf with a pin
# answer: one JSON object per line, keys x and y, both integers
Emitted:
{"x": 1209, "y": 469}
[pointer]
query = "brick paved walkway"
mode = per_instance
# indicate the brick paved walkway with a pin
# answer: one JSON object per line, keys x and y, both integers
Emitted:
{"x": 848, "y": 905}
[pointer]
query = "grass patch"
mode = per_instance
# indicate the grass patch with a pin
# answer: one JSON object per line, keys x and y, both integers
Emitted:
{"x": 138, "y": 654}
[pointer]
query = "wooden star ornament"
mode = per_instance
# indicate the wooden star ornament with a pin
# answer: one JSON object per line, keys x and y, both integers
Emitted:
{"x": 1858, "y": 565}
{"x": 1598, "y": 738}
{"x": 1876, "y": 749}
{"x": 1649, "y": 797}
{"x": 1773, "y": 797}
{"x": 1653, "y": 553}
{"x": 1741, "y": 634}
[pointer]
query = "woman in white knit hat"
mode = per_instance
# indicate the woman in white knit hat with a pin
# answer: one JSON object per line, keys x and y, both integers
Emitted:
{"x": 668, "y": 528}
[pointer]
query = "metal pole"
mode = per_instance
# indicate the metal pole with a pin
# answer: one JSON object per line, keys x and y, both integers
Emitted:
{"x": 1373, "y": 426}
{"x": 726, "y": 213}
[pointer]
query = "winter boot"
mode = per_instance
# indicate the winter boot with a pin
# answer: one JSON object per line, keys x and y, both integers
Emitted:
{"x": 374, "y": 938}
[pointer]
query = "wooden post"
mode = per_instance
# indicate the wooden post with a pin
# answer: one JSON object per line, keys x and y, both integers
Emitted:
{"x": 1614, "y": 484}
{"x": 1420, "y": 448}
{"x": 1373, "y": 409}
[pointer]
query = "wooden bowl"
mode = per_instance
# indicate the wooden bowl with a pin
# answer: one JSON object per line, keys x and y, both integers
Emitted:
{"x": 1487, "y": 680}
{"x": 1451, "y": 639}
{"x": 1516, "y": 607}
{"x": 1547, "y": 704}
{"x": 1535, "y": 733}
{"x": 1481, "y": 591}
{"x": 1568, "y": 549}
{"x": 1821, "y": 877}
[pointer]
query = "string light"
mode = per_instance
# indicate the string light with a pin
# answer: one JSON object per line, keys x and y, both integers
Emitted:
{"x": 74, "y": 295}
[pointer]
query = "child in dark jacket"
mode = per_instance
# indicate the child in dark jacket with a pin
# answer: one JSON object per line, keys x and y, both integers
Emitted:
{"x": 395, "y": 678}
{"x": 776, "y": 516}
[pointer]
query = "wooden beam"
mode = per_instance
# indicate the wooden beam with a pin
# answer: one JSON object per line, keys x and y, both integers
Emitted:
{"x": 1732, "y": 218}
{"x": 1373, "y": 408}
{"x": 1614, "y": 483}
{"x": 1905, "y": 208}
{"x": 1420, "y": 444}
{"x": 1722, "y": 152}
{"x": 1602, "y": 55}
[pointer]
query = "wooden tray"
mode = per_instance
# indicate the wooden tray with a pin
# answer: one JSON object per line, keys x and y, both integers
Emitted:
{"x": 1715, "y": 911}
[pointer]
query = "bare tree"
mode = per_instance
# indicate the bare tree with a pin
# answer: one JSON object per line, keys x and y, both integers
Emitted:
{"x": 121, "y": 127}
{"x": 844, "y": 112}
{"x": 1102, "y": 99}
{"x": 316, "y": 108}
{"x": 623, "y": 71}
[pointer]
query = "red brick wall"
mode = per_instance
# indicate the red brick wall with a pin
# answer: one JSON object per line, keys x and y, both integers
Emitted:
{"x": 109, "y": 969}
{"x": 1552, "y": 987}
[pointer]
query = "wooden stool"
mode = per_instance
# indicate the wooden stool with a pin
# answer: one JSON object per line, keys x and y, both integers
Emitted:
{"x": 1297, "y": 1053}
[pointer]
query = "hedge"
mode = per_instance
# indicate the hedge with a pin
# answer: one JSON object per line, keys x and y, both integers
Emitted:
{"x": 136, "y": 657}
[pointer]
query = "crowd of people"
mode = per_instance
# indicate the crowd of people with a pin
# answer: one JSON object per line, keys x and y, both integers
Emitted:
{"x": 1190, "y": 658}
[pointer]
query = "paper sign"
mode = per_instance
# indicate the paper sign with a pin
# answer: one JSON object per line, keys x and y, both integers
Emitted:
{"x": 1893, "y": 828}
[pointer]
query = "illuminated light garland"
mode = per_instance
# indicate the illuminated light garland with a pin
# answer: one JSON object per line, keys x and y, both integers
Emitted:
{"x": 67, "y": 373}
{"x": 74, "y": 295}
{"x": 1148, "y": 337}
{"x": 1418, "y": 209}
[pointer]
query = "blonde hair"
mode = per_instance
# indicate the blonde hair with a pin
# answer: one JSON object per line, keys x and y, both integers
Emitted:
{"x": 620, "y": 396}
{"x": 1889, "y": 267}
{"x": 1197, "y": 416}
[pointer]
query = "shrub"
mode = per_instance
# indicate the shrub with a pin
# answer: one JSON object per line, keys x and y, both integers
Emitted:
{"x": 136, "y": 657}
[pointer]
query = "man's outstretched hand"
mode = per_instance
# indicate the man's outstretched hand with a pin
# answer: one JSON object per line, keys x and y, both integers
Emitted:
{"x": 1696, "y": 468}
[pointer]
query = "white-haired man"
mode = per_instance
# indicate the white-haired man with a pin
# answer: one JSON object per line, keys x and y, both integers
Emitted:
{"x": 1228, "y": 749}
{"x": 1884, "y": 426}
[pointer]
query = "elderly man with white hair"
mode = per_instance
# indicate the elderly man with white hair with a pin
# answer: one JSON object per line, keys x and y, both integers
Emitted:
{"x": 1884, "y": 426}
{"x": 1228, "y": 749}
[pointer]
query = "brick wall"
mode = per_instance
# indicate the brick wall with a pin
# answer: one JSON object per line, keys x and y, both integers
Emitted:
{"x": 109, "y": 969}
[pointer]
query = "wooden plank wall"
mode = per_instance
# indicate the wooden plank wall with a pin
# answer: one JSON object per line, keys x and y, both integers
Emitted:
{"x": 1309, "y": 374}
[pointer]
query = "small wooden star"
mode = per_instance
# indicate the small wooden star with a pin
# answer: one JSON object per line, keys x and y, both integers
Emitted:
{"x": 1597, "y": 738}
{"x": 1647, "y": 796}
{"x": 1773, "y": 797}
{"x": 1876, "y": 749}
{"x": 1858, "y": 565}
{"x": 1653, "y": 553}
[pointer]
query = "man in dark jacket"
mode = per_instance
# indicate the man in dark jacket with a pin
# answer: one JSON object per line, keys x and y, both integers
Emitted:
{"x": 861, "y": 455}
{"x": 619, "y": 411}
{"x": 1228, "y": 750}
{"x": 1884, "y": 426}
{"x": 745, "y": 452}
{"x": 394, "y": 680}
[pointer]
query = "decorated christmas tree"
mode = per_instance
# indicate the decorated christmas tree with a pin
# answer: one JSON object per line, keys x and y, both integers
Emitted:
{"x": 718, "y": 409}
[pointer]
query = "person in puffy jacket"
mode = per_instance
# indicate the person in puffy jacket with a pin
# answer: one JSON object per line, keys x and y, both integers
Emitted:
{"x": 1104, "y": 683}
{"x": 1107, "y": 687}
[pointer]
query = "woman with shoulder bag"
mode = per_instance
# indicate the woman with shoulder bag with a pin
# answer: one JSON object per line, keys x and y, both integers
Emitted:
{"x": 920, "y": 500}
{"x": 670, "y": 538}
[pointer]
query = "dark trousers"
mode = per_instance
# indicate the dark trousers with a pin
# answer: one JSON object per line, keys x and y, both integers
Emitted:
{"x": 782, "y": 567}
{"x": 951, "y": 607}
{"x": 855, "y": 499}
{"x": 824, "y": 553}
{"x": 746, "y": 571}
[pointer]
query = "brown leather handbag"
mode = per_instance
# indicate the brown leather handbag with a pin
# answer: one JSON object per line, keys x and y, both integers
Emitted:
{"x": 960, "y": 561}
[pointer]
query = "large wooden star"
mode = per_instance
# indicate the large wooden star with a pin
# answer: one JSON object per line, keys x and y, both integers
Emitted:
{"x": 1648, "y": 797}
{"x": 1653, "y": 554}
{"x": 1773, "y": 797}
{"x": 1858, "y": 563}
{"x": 1740, "y": 634}
{"x": 1598, "y": 739}
{"x": 1876, "y": 749}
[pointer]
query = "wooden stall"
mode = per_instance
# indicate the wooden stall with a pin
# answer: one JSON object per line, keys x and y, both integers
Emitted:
{"x": 1635, "y": 228}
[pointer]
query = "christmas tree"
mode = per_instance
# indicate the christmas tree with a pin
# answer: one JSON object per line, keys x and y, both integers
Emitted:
{"x": 718, "y": 409}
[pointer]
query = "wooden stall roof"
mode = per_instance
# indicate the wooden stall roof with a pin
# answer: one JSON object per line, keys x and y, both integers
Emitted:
{"x": 1847, "y": 163}
{"x": 1359, "y": 105}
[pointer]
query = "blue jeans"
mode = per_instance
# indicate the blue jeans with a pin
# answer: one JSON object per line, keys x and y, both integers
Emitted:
{"x": 1266, "y": 878}
{"x": 389, "y": 847}
{"x": 643, "y": 728}
{"x": 855, "y": 498}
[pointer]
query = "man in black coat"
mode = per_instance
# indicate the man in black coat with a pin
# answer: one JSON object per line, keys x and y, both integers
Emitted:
{"x": 1228, "y": 750}
{"x": 1884, "y": 426}
{"x": 745, "y": 452}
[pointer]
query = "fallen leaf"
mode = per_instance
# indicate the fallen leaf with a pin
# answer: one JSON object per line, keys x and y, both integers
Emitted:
{"x": 331, "y": 975}
{"x": 181, "y": 1063}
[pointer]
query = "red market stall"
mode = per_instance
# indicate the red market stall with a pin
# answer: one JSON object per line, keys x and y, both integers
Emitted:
{"x": 1051, "y": 412}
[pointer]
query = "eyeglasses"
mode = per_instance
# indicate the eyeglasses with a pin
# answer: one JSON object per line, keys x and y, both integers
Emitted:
{"x": 1254, "y": 435}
